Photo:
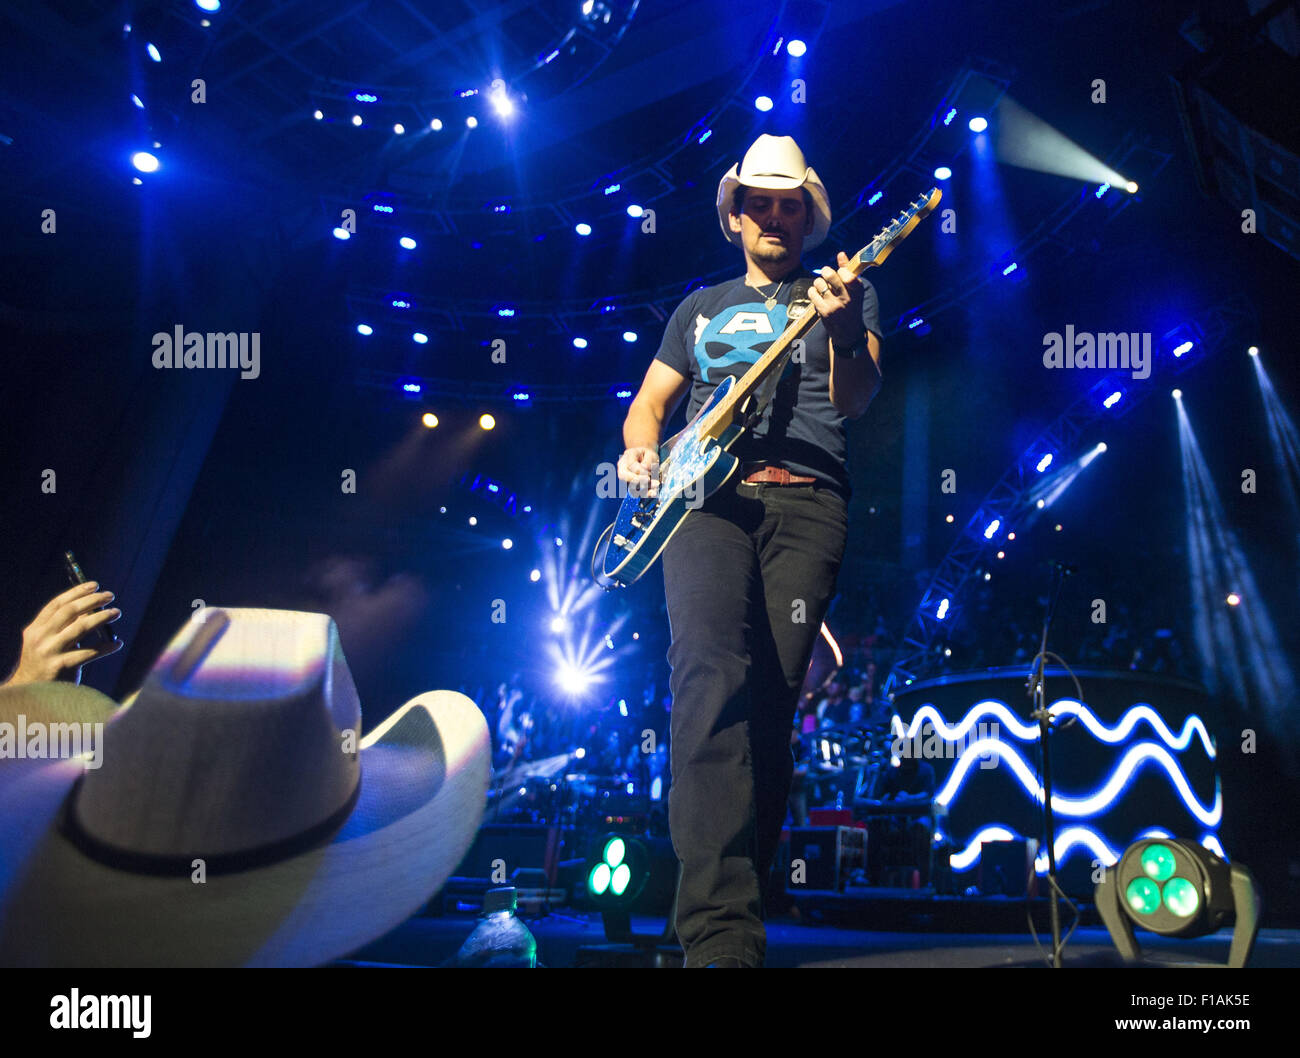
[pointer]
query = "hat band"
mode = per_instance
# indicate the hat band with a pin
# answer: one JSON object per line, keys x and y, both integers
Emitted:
{"x": 149, "y": 863}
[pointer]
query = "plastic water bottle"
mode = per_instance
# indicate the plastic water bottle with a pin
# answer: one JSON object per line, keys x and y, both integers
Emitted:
{"x": 499, "y": 940}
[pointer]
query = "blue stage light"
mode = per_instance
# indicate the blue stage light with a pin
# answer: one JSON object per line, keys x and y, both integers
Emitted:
{"x": 875, "y": 198}
{"x": 521, "y": 395}
{"x": 704, "y": 135}
{"x": 978, "y": 124}
{"x": 629, "y": 336}
{"x": 436, "y": 124}
{"x": 942, "y": 611}
{"x": 419, "y": 338}
{"x": 535, "y": 575}
{"x": 472, "y": 121}
{"x": 1102, "y": 190}
{"x": 145, "y": 162}
{"x": 1184, "y": 347}
{"x": 763, "y": 103}
{"x": 992, "y": 529}
{"x": 318, "y": 114}
{"x": 942, "y": 173}
{"x": 915, "y": 323}
{"x": 381, "y": 208}
{"x": 365, "y": 328}
{"x": 612, "y": 188}
{"x": 356, "y": 120}
{"x": 796, "y": 49}
{"x": 399, "y": 128}
{"x": 1112, "y": 400}
{"x": 406, "y": 242}
{"x": 401, "y": 303}
{"x": 580, "y": 343}
{"x": 208, "y": 5}
{"x": 411, "y": 387}
{"x": 634, "y": 210}
{"x": 154, "y": 54}
{"x": 505, "y": 310}
{"x": 623, "y": 394}
{"x": 582, "y": 228}
{"x": 1045, "y": 462}
{"x": 136, "y": 100}
{"x": 507, "y": 543}
{"x": 365, "y": 97}
{"x": 1010, "y": 268}
{"x": 947, "y": 118}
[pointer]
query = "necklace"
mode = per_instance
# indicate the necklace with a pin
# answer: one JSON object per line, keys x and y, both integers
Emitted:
{"x": 770, "y": 299}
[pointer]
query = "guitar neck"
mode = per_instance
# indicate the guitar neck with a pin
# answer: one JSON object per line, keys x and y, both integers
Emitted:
{"x": 870, "y": 256}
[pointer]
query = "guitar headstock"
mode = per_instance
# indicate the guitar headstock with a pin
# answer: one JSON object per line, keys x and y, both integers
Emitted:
{"x": 895, "y": 231}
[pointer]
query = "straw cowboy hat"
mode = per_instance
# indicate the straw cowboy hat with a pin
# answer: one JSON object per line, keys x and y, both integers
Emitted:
{"x": 242, "y": 750}
{"x": 775, "y": 163}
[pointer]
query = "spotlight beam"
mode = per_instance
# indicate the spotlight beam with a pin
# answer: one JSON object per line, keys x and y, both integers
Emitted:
{"x": 1027, "y": 141}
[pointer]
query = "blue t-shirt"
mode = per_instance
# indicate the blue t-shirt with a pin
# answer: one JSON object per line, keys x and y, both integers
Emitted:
{"x": 722, "y": 330}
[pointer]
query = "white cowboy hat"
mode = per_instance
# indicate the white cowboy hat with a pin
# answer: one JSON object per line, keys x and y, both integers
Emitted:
{"x": 775, "y": 163}
{"x": 238, "y": 751}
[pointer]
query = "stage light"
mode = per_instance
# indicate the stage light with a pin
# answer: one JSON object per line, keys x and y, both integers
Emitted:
{"x": 1101, "y": 191}
{"x": 204, "y": 23}
{"x": 573, "y": 680}
{"x": 948, "y": 518}
{"x": 1174, "y": 887}
{"x": 1011, "y": 536}
{"x": 558, "y": 624}
{"x": 486, "y": 421}
{"x": 629, "y": 336}
{"x": 406, "y": 242}
{"x": 365, "y": 328}
{"x": 400, "y": 303}
{"x": 436, "y": 124}
{"x": 559, "y": 542}
{"x": 1045, "y": 462}
{"x": 520, "y": 395}
{"x": 535, "y": 575}
{"x": 1002, "y": 554}
{"x": 505, "y": 310}
{"x": 1131, "y": 187}
{"x": 612, "y": 188}
{"x": 1182, "y": 347}
{"x": 623, "y": 394}
{"x": 472, "y": 121}
{"x": 153, "y": 52}
{"x": 988, "y": 576}
{"x": 1112, "y": 400}
{"x": 942, "y": 611}
{"x": 1010, "y": 268}
{"x": 1041, "y": 504}
{"x": 318, "y": 114}
{"x": 473, "y": 520}
{"x": 208, "y": 5}
{"x": 992, "y": 528}
{"x": 1057, "y": 527}
{"x": 634, "y": 210}
{"x": 399, "y": 128}
{"x": 1233, "y": 599}
{"x": 501, "y": 101}
{"x": 356, "y": 119}
{"x": 796, "y": 49}
{"x": 1178, "y": 394}
{"x": 947, "y": 118}
{"x": 763, "y": 103}
{"x": 430, "y": 420}
{"x": 580, "y": 343}
{"x": 365, "y": 97}
{"x": 978, "y": 124}
{"x": 942, "y": 173}
{"x": 1253, "y": 350}
{"x": 528, "y": 510}
{"x": 582, "y": 228}
{"x": 145, "y": 162}
{"x": 913, "y": 324}
{"x": 136, "y": 180}
{"x": 507, "y": 543}
{"x": 875, "y": 198}
{"x": 136, "y": 100}
{"x": 420, "y": 338}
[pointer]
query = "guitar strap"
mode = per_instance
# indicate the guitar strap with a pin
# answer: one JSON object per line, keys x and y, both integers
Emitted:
{"x": 799, "y": 304}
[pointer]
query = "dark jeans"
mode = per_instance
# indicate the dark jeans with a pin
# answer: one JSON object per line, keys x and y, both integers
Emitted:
{"x": 748, "y": 579}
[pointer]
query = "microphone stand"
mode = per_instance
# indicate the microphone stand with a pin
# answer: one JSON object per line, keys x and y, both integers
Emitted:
{"x": 1044, "y": 718}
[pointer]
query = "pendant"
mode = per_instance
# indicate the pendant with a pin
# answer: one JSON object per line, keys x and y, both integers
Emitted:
{"x": 769, "y": 303}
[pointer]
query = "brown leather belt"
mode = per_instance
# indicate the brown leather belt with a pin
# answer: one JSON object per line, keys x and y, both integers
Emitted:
{"x": 776, "y": 476}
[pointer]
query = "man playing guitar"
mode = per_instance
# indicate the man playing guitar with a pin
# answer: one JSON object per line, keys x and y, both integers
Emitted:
{"x": 749, "y": 576}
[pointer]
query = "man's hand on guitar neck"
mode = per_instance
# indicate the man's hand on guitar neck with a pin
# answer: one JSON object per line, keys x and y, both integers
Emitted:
{"x": 639, "y": 467}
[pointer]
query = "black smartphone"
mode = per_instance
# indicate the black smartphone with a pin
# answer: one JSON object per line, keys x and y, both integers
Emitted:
{"x": 97, "y": 637}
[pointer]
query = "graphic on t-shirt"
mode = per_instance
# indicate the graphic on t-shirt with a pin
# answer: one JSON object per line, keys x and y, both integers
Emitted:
{"x": 739, "y": 334}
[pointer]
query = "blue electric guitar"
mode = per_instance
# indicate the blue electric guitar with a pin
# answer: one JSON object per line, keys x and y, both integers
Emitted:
{"x": 695, "y": 463}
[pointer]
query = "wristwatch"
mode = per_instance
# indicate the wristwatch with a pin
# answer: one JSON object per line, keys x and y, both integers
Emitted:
{"x": 857, "y": 349}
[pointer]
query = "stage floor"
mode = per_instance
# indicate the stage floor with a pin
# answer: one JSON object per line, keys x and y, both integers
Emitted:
{"x": 431, "y": 941}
